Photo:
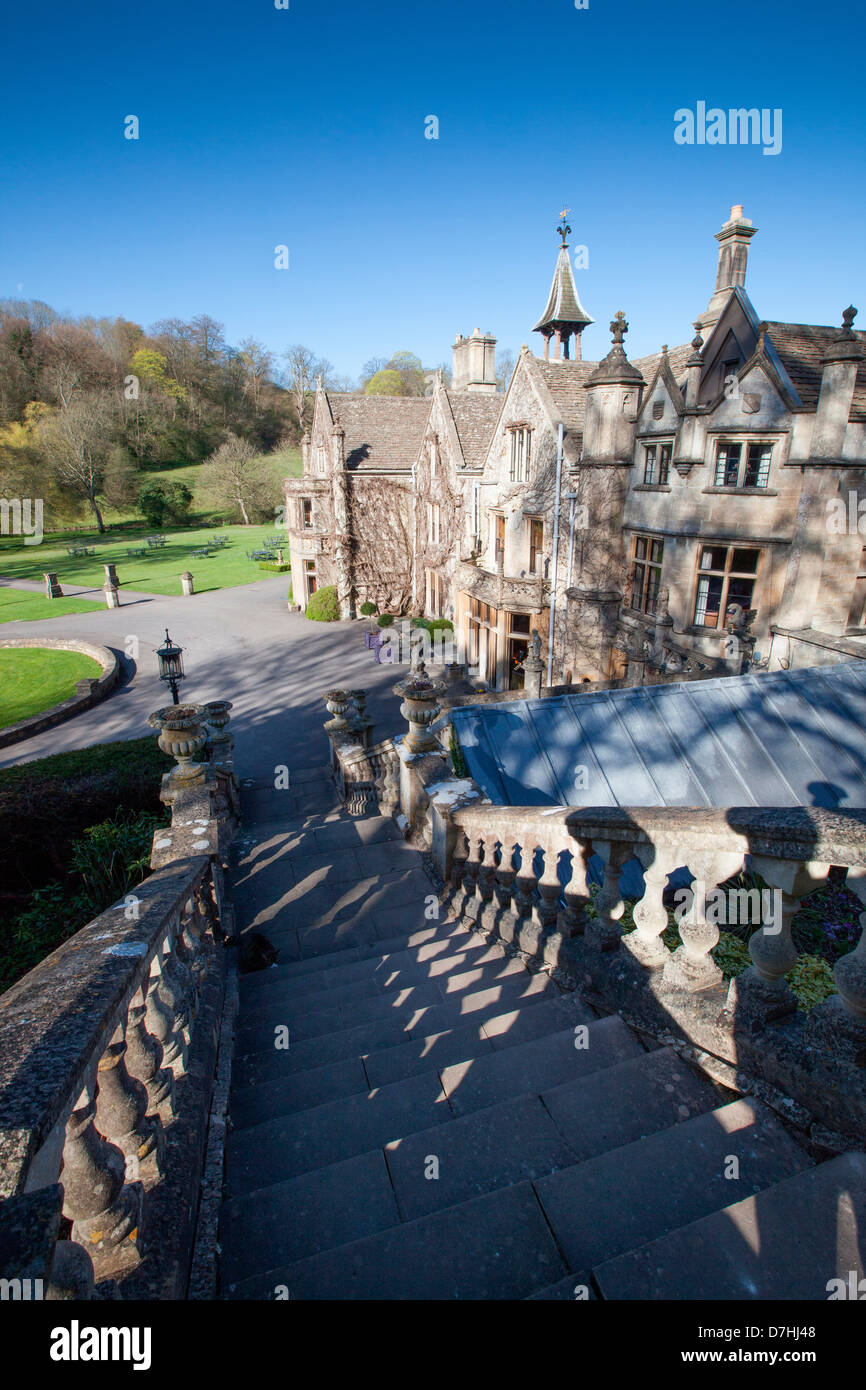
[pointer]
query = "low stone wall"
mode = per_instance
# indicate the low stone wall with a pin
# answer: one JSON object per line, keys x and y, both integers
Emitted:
{"x": 87, "y": 692}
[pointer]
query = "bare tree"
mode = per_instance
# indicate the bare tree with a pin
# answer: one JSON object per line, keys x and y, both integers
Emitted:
{"x": 78, "y": 440}
{"x": 302, "y": 368}
{"x": 236, "y": 474}
{"x": 258, "y": 366}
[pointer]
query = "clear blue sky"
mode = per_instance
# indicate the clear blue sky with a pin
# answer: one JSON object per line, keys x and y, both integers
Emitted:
{"x": 306, "y": 127}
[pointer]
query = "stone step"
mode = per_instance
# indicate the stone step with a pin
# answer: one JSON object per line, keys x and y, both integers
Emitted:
{"x": 786, "y": 1242}
{"x": 260, "y": 1093}
{"x": 386, "y": 971}
{"x": 467, "y": 1042}
{"x": 283, "y": 1147}
{"x": 463, "y": 976}
{"x": 495, "y": 1247}
{"x": 266, "y": 1063}
{"x": 314, "y": 1211}
{"x": 497, "y": 1148}
{"x": 431, "y": 939}
{"x": 539, "y": 1065}
{"x": 419, "y": 1004}
{"x": 611, "y": 1108}
{"x": 628, "y": 1196}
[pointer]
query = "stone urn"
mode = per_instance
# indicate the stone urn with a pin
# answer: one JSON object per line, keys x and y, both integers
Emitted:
{"x": 420, "y": 708}
{"x": 216, "y": 716}
{"x": 337, "y": 702}
{"x": 181, "y": 735}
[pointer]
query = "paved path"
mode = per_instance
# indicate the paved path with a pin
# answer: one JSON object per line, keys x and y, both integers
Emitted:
{"x": 241, "y": 644}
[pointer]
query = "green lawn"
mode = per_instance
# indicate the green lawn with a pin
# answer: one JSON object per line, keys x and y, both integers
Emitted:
{"x": 286, "y": 464}
{"x": 32, "y": 679}
{"x": 17, "y": 605}
{"x": 155, "y": 572}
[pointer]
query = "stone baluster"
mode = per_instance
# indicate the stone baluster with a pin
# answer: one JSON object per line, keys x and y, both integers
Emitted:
{"x": 576, "y": 892}
{"x": 505, "y": 875}
{"x": 546, "y": 910}
{"x": 144, "y": 1056}
{"x": 121, "y": 1111}
{"x": 762, "y": 994}
{"x": 177, "y": 978}
{"x": 458, "y": 858}
{"x": 162, "y": 1017}
{"x": 525, "y": 880}
{"x": 838, "y": 1026}
{"x": 650, "y": 913}
{"x": 472, "y": 865}
{"x": 105, "y": 1211}
{"x": 487, "y": 869}
{"x": 609, "y": 904}
{"x": 691, "y": 966}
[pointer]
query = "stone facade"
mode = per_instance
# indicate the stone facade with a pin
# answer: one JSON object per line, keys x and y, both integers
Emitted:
{"x": 692, "y": 501}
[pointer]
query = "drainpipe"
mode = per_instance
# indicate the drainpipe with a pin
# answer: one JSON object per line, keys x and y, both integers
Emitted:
{"x": 414, "y": 537}
{"x": 572, "y": 498}
{"x": 555, "y": 555}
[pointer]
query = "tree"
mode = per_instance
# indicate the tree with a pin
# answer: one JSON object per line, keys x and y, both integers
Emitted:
{"x": 412, "y": 375}
{"x": 385, "y": 383}
{"x": 258, "y": 365}
{"x": 237, "y": 476}
{"x": 302, "y": 368}
{"x": 505, "y": 363}
{"x": 78, "y": 439}
{"x": 159, "y": 502}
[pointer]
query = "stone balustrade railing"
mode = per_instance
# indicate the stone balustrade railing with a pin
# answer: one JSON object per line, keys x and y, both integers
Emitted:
{"x": 525, "y": 872}
{"x": 368, "y": 779}
{"x": 108, "y": 1050}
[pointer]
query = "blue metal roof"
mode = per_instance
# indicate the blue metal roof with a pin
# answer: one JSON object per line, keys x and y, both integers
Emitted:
{"x": 790, "y": 738}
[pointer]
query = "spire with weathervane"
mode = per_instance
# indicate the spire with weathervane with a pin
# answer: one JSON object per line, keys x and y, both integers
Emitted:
{"x": 564, "y": 315}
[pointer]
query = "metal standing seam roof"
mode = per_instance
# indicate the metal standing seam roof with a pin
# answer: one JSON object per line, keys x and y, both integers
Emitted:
{"x": 789, "y": 738}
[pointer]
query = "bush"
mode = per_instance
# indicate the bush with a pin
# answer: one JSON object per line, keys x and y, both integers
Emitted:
{"x": 811, "y": 981}
{"x": 368, "y": 609}
{"x": 386, "y": 620}
{"x": 323, "y": 606}
{"x": 441, "y": 625}
{"x": 105, "y": 863}
{"x": 274, "y": 567}
{"x": 160, "y": 502}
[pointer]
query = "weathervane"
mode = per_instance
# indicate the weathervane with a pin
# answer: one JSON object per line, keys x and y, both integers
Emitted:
{"x": 563, "y": 228}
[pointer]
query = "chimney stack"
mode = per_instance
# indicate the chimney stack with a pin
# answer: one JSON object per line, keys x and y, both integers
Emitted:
{"x": 733, "y": 239}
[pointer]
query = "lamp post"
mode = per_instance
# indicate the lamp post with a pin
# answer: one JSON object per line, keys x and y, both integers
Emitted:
{"x": 170, "y": 665}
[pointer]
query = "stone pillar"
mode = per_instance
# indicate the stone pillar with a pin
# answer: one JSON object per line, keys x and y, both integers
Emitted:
{"x": 112, "y": 597}
{"x": 187, "y": 585}
{"x": 52, "y": 587}
{"x": 111, "y": 576}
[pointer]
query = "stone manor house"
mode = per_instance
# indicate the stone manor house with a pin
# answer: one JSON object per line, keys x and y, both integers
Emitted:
{"x": 697, "y": 507}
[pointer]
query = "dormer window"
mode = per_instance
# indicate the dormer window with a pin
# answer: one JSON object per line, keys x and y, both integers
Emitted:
{"x": 520, "y": 447}
{"x": 657, "y": 464}
{"x": 732, "y": 470}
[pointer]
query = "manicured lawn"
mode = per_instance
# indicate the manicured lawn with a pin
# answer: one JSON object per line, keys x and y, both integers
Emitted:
{"x": 158, "y": 571}
{"x": 33, "y": 679}
{"x": 17, "y": 605}
{"x": 285, "y": 464}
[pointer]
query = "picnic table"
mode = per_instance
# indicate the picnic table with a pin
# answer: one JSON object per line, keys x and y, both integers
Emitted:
{"x": 203, "y": 553}
{"x": 79, "y": 550}
{"x": 155, "y": 542}
{"x": 138, "y": 550}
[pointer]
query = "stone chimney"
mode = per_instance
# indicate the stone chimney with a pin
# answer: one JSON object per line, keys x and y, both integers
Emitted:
{"x": 474, "y": 363}
{"x": 733, "y": 240}
{"x": 838, "y": 376}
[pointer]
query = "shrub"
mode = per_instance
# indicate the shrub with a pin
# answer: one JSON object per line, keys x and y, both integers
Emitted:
{"x": 441, "y": 625}
{"x": 152, "y": 503}
{"x": 385, "y": 620}
{"x": 323, "y": 606}
{"x": 368, "y": 609}
{"x": 811, "y": 981}
{"x": 274, "y": 567}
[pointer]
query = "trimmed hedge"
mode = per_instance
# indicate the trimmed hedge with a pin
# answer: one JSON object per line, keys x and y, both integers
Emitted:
{"x": 323, "y": 606}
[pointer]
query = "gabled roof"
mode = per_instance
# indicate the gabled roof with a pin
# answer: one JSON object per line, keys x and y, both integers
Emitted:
{"x": 476, "y": 415}
{"x": 381, "y": 431}
{"x": 563, "y": 304}
{"x": 801, "y": 347}
{"x": 561, "y": 390}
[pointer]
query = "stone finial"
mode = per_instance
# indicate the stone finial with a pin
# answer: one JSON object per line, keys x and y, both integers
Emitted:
{"x": 664, "y": 349}
{"x": 697, "y": 340}
{"x": 846, "y": 346}
{"x": 619, "y": 327}
{"x": 848, "y": 317}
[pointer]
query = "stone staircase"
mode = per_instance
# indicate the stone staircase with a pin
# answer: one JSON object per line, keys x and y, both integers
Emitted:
{"x": 445, "y": 1124}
